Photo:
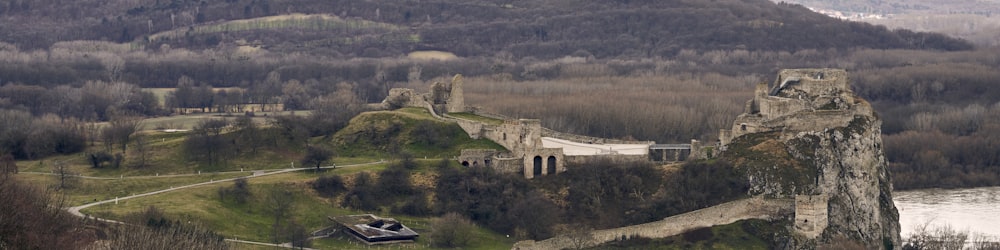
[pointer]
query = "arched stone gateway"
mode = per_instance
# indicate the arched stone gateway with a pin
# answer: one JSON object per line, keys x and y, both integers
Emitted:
{"x": 551, "y": 165}
{"x": 537, "y": 166}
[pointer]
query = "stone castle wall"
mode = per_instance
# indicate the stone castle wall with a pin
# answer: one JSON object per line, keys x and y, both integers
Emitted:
{"x": 722, "y": 214}
{"x": 618, "y": 159}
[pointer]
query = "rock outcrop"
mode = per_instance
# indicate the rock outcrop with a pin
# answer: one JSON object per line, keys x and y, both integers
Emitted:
{"x": 810, "y": 138}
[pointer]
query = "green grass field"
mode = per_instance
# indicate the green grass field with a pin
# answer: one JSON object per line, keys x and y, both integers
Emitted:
{"x": 85, "y": 191}
{"x": 251, "y": 221}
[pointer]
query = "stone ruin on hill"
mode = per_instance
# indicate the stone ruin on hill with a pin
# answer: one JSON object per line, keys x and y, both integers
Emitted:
{"x": 808, "y": 137}
{"x": 812, "y": 151}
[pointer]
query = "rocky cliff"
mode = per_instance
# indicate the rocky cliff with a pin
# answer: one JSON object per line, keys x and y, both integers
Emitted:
{"x": 810, "y": 138}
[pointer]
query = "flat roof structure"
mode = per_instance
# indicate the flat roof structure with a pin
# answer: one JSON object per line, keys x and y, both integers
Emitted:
{"x": 373, "y": 230}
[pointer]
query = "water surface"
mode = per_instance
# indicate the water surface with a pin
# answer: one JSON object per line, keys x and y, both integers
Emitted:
{"x": 976, "y": 210}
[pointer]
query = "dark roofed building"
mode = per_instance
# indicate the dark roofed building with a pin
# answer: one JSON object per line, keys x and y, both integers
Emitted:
{"x": 372, "y": 229}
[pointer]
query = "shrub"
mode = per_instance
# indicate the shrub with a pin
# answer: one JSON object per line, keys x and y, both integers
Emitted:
{"x": 451, "y": 230}
{"x": 329, "y": 186}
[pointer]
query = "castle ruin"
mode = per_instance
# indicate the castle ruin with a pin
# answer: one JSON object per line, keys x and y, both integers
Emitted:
{"x": 531, "y": 149}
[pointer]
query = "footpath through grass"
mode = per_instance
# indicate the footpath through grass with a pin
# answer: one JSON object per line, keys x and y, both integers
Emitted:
{"x": 252, "y": 220}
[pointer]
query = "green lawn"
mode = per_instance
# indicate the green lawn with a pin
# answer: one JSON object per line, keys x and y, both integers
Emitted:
{"x": 83, "y": 191}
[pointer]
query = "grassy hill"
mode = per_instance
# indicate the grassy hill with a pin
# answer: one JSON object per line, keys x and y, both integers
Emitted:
{"x": 410, "y": 130}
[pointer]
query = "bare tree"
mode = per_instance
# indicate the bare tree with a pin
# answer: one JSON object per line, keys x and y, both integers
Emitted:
{"x": 580, "y": 237}
{"x": 280, "y": 204}
{"x": 63, "y": 174}
{"x": 141, "y": 147}
{"x": 939, "y": 237}
{"x": 207, "y": 144}
{"x": 120, "y": 131}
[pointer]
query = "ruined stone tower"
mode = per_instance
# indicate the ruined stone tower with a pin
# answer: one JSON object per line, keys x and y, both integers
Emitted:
{"x": 456, "y": 101}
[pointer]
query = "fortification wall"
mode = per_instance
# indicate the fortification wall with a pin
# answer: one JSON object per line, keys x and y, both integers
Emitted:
{"x": 516, "y": 135}
{"x": 810, "y": 121}
{"x": 618, "y": 159}
{"x": 478, "y": 111}
{"x": 473, "y": 128}
{"x": 773, "y": 107}
{"x": 811, "y": 214}
{"x": 508, "y": 165}
{"x": 723, "y": 214}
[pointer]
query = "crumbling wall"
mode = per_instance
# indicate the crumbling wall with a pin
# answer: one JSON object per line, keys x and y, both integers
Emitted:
{"x": 477, "y": 157}
{"x": 403, "y": 97}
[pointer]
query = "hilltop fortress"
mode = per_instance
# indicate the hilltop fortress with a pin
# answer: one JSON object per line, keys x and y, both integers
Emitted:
{"x": 812, "y": 153}
{"x": 531, "y": 149}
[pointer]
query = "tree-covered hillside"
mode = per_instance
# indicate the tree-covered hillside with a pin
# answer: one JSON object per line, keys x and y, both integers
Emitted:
{"x": 541, "y": 29}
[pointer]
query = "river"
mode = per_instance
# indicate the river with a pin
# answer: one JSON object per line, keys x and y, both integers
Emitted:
{"x": 975, "y": 210}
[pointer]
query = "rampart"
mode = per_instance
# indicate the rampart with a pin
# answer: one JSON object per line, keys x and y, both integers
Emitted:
{"x": 723, "y": 214}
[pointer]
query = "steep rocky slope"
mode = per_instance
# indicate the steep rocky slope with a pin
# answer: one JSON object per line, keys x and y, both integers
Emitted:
{"x": 809, "y": 138}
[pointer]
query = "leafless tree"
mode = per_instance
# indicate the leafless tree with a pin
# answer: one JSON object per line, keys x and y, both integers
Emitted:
{"x": 120, "y": 131}
{"x": 64, "y": 175}
{"x": 7, "y": 164}
{"x": 580, "y": 237}
{"x": 142, "y": 148}
{"x": 280, "y": 203}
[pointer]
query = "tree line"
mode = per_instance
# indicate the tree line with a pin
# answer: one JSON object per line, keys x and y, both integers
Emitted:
{"x": 617, "y": 29}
